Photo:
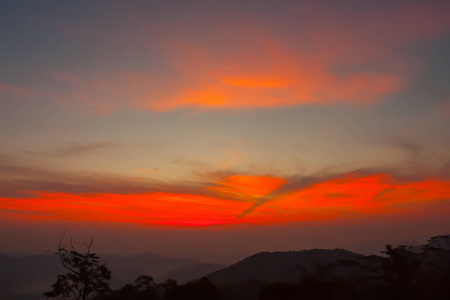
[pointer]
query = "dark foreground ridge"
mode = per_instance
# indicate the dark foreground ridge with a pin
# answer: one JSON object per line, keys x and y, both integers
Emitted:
{"x": 399, "y": 273}
{"x": 279, "y": 266}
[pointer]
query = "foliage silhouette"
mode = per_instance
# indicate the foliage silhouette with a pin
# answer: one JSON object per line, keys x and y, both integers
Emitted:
{"x": 404, "y": 273}
{"x": 145, "y": 288}
{"x": 86, "y": 279}
{"x": 280, "y": 290}
{"x": 201, "y": 289}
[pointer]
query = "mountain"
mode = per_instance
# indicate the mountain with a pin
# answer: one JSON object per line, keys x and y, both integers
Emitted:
{"x": 27, "y": 273}
{"x": 127, "y": 269}
{"x": 28, "y": 276}
{"x": 279, "y": 266}
{"x": 190, "y": 272}
{"x": 244, "y": 280}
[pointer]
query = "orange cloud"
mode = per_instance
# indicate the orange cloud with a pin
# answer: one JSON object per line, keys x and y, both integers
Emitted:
{"x": 344, "y": 197}
{"x": 321, "y": 56}
{"x": 286, "y": 77}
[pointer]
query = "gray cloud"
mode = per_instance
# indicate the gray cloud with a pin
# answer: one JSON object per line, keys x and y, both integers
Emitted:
{"x": 412, "y": 149}
{"x": 80, "y": 149}
{"x": 191, "y": 163}
{"x": 17, "y": 177}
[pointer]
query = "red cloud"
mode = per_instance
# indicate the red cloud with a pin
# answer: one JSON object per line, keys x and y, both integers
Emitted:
{"x": 337, "y": 198}
{"x": 351, "y": 195}
{"x": 146, "y": 209}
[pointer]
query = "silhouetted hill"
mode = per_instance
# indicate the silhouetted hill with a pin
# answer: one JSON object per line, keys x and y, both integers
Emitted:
{"x": 27, "y": 273}
{"x": 278, "y": 266}
{"x": 190, "y": 272}
{"x": 402, "y": 273}
{"x": 27, "y": 276}
{"x": 126, "y": 269}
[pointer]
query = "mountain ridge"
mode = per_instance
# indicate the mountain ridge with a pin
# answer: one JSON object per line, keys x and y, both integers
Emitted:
{"x": 286, "y": 266}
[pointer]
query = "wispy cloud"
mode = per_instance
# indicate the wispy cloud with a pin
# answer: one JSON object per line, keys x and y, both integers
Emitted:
{"x": 85, "y": 148}
{"x": 18, "y": 177}
{"x": 412, "y": 149}
{"x": 7, "y": 90}
{"x": 76, "y": 149}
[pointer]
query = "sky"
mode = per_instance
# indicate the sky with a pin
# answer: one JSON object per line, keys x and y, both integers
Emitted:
{"x": 230, "y": 127}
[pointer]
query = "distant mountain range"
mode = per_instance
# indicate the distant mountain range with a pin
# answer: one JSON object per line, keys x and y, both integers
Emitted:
{"x": 26, "y": 277}
{"x": 245, "y": 279}
{"x": 126, "y": 269}
{"x": 27, "y": 273}
{"x": 279, "y": 266}
{"x": 189, "y": 272}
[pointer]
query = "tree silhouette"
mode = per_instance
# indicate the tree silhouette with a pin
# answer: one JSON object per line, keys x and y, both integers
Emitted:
{"x": 143, "y": 288}
{"x": 413, "y": 273}
{"x": 200, "y": 289}
{"x": 86, "y": 279}
{"x": 280, "y": 290}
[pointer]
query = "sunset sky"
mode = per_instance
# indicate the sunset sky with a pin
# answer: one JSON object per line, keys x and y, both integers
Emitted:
{"x": 247, "y": 125}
